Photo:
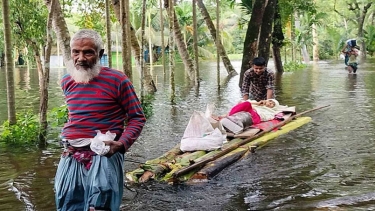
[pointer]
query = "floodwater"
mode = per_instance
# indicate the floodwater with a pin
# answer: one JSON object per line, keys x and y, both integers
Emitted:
{"x": 327, "y": 164}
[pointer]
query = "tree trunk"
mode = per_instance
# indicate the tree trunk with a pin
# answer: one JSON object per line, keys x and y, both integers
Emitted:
{"x": 195, "y": 38}
{"x": 162, "y": 36}
{"x": 293, "y": 27}
{"x": 305, "y": 54}
{"x": 125, "y": 45}
{"x": 169, "y": 5}
{"x": 149, "y": 84}
{"x": 146, "y": 78}
{"x": 43, "y": 91}
{"x": 45, "y": 80}
{"x": 218, "y": 38}
{"x": 108, "y": 32}
{"x": 361, "y": 21}
{"x": 224, "y": 57}
{"x": 134, "y": 42}
{"x": 184, "y": 53}
{"x": 252, "y": 33}
{"x": 9, "y": 65}
{"x": 142, "y": 61}
{"x": 266, "y": 30}
{"x": 38, "y": 61}
{"x": 60, "y": 28}
{"x": 277, "y": 39}
{"x": 315, "y": 43}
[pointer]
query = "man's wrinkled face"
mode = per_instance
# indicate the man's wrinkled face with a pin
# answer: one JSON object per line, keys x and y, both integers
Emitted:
{"x": 84, "y": 65}
{"x": 84, "y": 53}
{"x": 258, "y": 69}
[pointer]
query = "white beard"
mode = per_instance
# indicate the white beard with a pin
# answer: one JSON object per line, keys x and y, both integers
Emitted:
{"x": 83, "y": 76}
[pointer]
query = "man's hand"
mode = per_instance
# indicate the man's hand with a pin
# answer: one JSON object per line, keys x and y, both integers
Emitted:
{"x": 114, "y": 146}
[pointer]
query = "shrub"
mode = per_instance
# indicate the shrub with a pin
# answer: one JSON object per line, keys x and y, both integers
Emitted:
{"x": 146, "y": 103}
{"x": 293, "y": 66}
{"x": 58, "y": 116}
{"x": 24, "y": 132}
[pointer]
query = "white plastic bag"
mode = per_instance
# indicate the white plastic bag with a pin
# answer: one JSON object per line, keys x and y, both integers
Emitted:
{"x": 98, "y": 146}
{"x": 198, "y": 126}
{"x": 200, "y": 134}
{"x": 212, "y": 141}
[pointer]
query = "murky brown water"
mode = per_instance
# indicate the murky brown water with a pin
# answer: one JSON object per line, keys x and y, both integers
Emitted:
{"x": 323, "y": 165}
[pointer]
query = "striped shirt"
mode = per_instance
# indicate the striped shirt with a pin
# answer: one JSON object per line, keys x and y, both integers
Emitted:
{"x": 256, "y": 85}
{"x": 107, "y": 102}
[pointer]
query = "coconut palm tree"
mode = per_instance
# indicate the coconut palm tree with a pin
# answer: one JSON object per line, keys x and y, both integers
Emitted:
{"x": 149, "y": 84}
{"x": 181, "y": 46}
{"x": 221, "y": 49}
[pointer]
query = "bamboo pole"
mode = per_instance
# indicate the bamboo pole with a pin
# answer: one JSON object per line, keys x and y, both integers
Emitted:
{"x": 181, "y": 162}
{"x": 153, "y": 167}
{"x": 187, "y": 176}
{"x": 215, "y": 166}
{"x": 245, "y": 141}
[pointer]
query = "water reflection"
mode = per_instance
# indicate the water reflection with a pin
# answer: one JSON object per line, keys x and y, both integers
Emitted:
{"x": 351, "y": 85}
{"x": 27, "y": 90}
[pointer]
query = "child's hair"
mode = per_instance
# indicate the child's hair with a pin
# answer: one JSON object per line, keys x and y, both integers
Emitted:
{"x": 275, "y": 102}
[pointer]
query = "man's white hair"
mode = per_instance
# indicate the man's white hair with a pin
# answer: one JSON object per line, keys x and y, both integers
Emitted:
{"x": 88, "y": 34}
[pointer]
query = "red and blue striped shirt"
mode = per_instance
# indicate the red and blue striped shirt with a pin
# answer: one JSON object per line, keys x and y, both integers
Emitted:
{"x": 107, "y": 102}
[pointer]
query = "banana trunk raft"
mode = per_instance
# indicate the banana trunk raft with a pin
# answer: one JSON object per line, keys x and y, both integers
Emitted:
{"x": 176, "y": 166}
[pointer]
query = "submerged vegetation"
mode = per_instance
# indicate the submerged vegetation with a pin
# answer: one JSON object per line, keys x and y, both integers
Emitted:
{"x": 24, "y": 133}
{"x": 294, "y": 66}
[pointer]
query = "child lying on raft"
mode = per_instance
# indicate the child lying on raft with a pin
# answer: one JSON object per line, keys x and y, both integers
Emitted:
{"x": 261, "y": 111}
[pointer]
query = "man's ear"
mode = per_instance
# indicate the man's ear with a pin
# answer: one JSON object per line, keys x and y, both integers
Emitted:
{"x": 101, "y": 52}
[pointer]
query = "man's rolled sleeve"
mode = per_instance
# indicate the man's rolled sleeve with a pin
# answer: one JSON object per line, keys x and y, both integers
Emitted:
{"x": 245, "y": 83}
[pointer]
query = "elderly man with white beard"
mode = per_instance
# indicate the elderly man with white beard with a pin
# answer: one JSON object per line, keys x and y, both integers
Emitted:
{"x": 98, "y": 99}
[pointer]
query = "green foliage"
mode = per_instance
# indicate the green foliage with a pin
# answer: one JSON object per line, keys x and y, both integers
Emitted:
{"x": 146, "y": 103}
{"x": 58, "y": 116}
{"x": 290, "y": 7}
{"x": 370, "y": 39}
{"x": 90, "y": 16}
{"x": 184, "y": 13}
{"x": 246, "y": 6}
{"x": 24, "y": 132}
{"x": 28, "y": 25}
{"x": 293, "y": 66}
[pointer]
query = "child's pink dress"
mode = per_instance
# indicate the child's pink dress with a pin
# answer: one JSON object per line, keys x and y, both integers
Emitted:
{"x": 246, "y": 106}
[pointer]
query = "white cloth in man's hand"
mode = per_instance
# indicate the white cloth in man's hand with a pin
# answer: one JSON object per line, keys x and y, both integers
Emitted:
{"x": 98, "y": 146}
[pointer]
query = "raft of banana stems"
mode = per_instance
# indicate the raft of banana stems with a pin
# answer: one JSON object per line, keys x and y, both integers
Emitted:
{"x": 175, "y": 166}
